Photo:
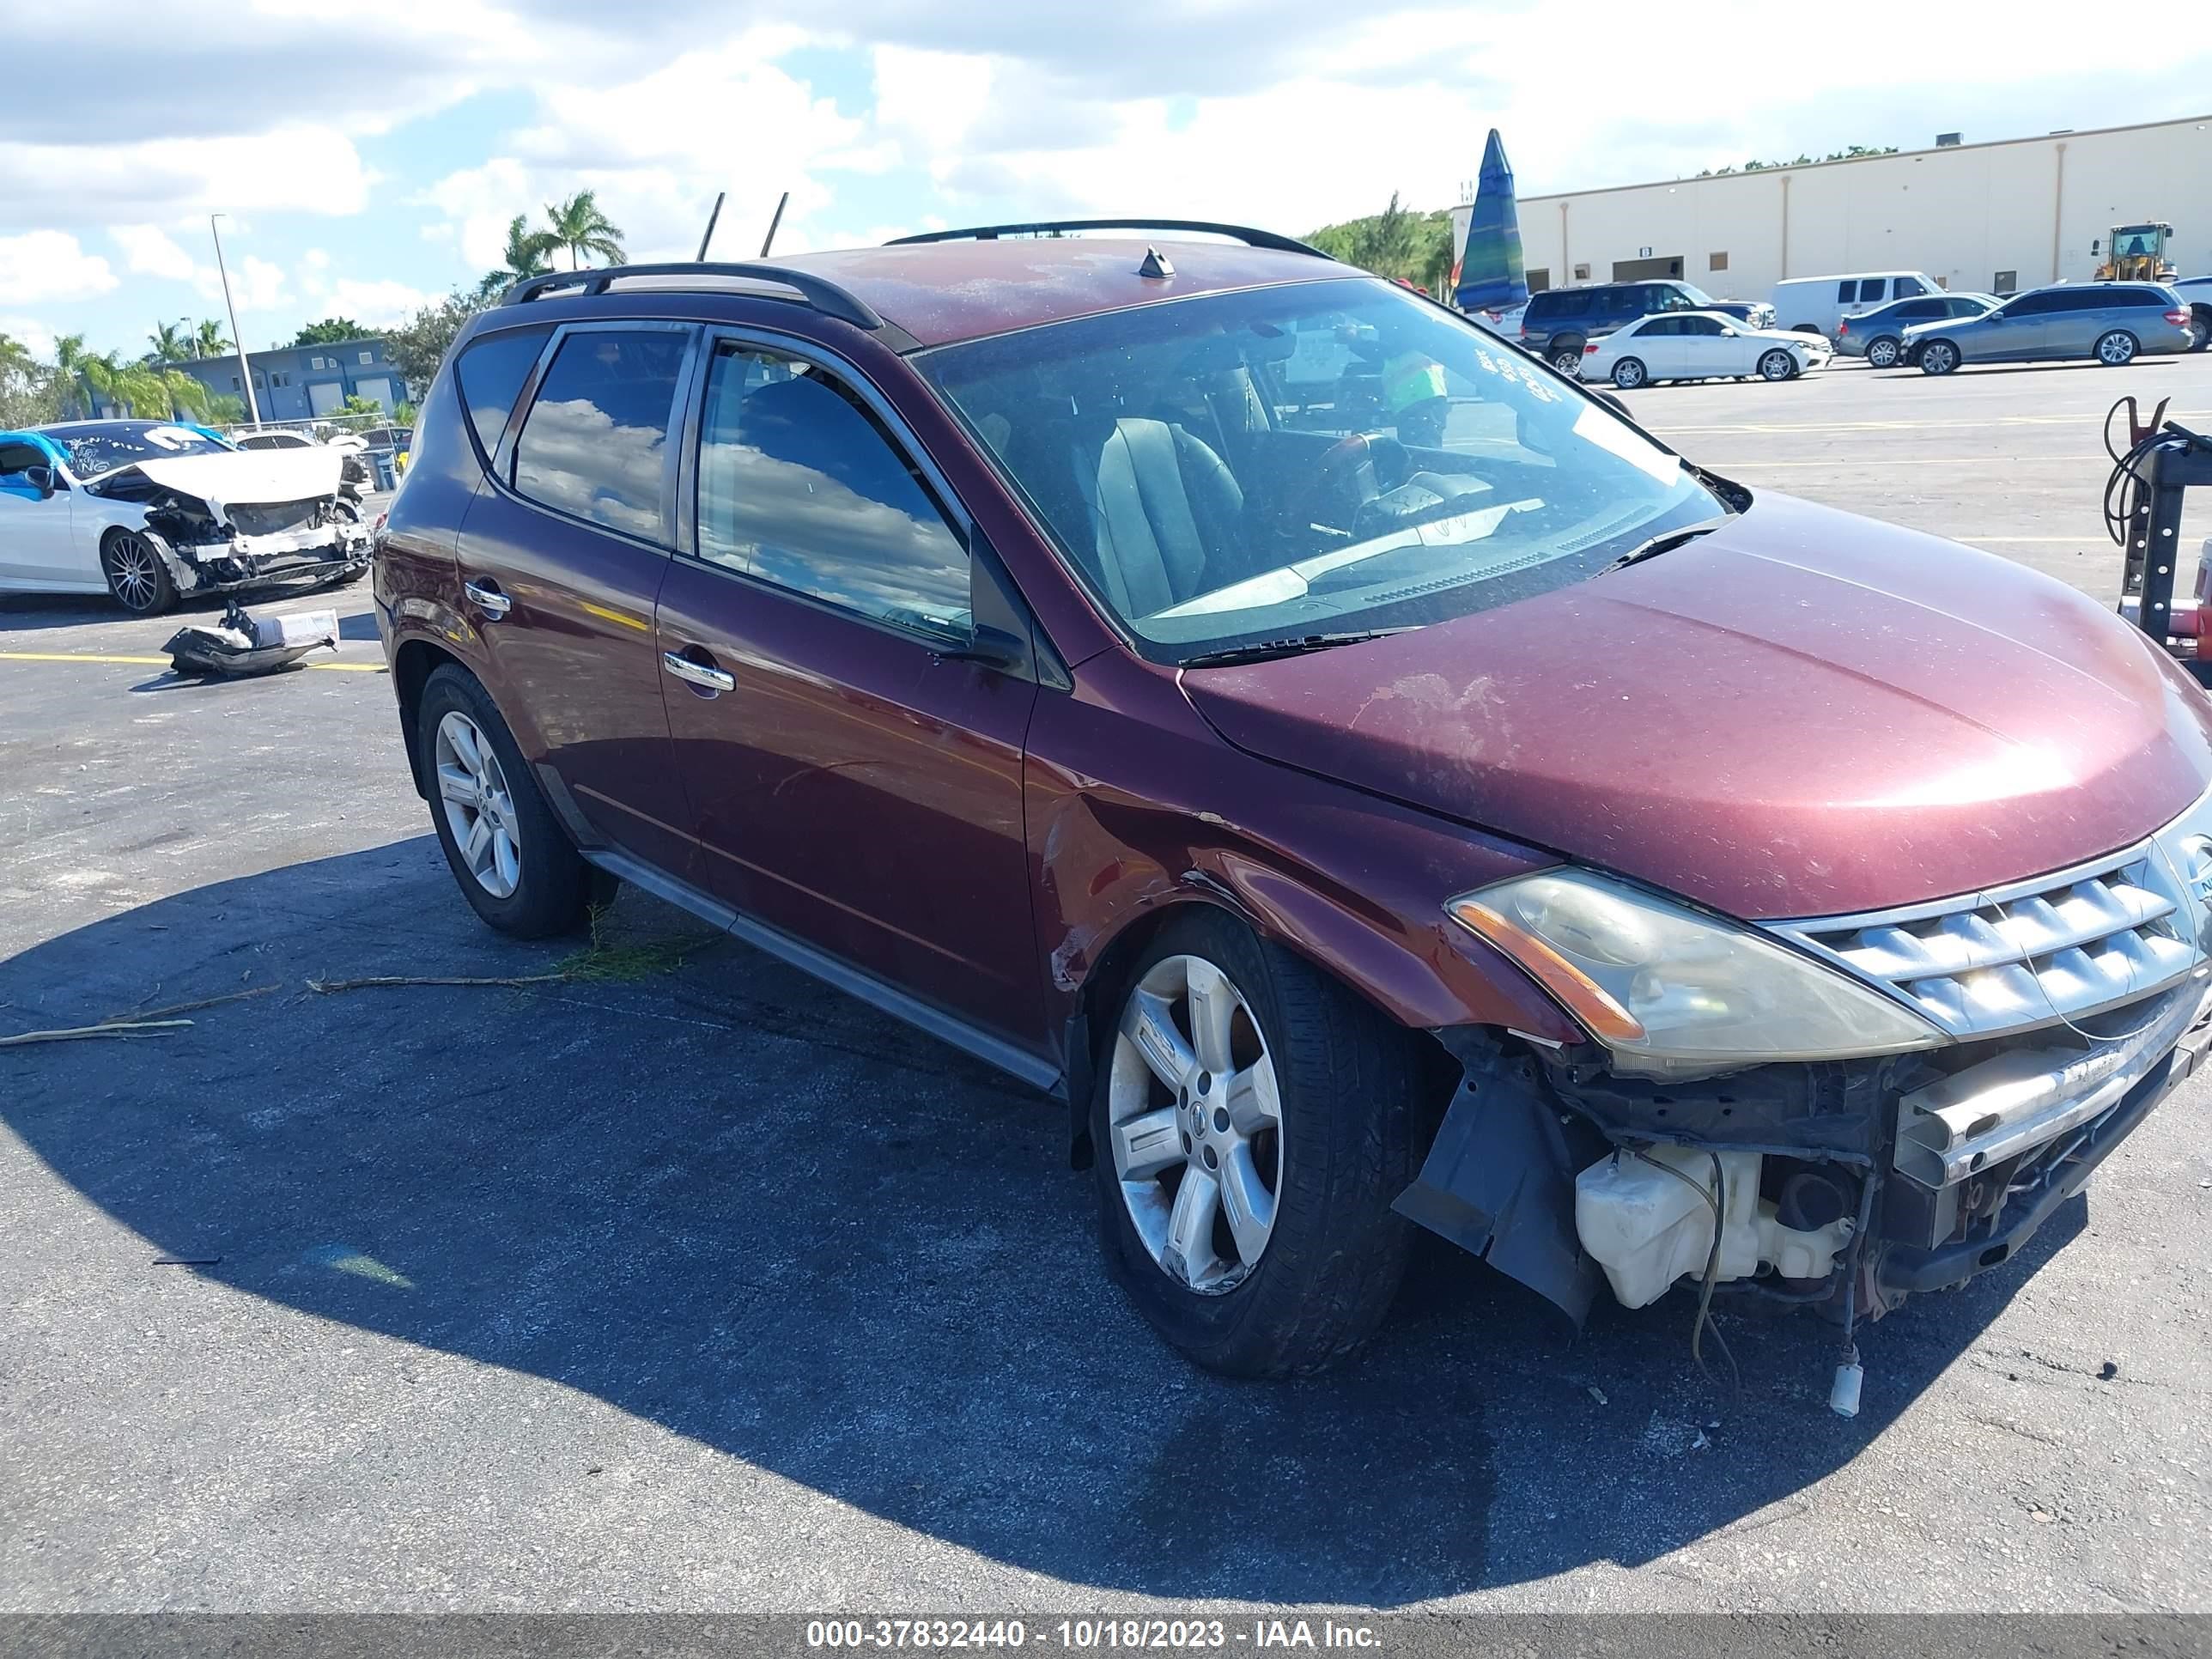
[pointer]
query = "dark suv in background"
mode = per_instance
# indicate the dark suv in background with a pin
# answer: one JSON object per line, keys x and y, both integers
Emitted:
{"x": 1368, "y": 779}
{"x": 1560, "y": 321}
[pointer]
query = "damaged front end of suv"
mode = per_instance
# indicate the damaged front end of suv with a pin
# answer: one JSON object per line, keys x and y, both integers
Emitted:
{"x": 1868, "y": 1106}
{"x": 226, "y": 522}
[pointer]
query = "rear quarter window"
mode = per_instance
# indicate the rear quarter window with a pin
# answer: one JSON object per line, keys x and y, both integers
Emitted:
{"x": 490, "y": 373}
{"x": 595, "y": 442}
{"x": 2141, "y": 296}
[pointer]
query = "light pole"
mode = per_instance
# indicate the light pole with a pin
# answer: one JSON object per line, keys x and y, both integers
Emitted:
{"x": 238, "y": 339}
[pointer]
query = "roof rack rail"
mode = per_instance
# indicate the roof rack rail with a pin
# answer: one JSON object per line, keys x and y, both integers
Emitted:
{"x": 1243, "y": 233}
{"x": 826, "y": 296}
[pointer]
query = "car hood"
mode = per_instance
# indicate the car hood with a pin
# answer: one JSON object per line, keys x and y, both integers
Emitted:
{"x": 1803, "y": 714}
{"x": 239, "y": 478}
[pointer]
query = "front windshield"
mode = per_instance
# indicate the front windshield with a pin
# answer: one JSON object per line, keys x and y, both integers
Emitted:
{"x": 1308, "y": 460}
{"x": 95, "y": 450}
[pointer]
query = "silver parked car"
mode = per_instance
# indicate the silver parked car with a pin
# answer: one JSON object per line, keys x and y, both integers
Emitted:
{"x": 1878, "y": 334}
{"x": 2196, "y": 293}
{"x": 2113, "y": 323}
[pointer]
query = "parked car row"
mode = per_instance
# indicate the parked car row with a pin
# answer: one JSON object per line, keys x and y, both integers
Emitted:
{"x": 1559, "y": 323}
{"x": 1636, "y": 333}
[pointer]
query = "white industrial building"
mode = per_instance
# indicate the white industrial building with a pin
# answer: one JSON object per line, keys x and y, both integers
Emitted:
{"x": 1993, "y": 217}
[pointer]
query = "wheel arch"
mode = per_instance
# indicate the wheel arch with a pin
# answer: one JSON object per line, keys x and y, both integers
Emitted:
{"x": 412, "y": 664}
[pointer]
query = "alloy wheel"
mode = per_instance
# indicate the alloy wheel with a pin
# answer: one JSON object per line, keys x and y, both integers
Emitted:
{"x": 1882, "y": 354}
{"x": 479, "y": 807}
{"x": 1941, "y": 358}
{"x": 1196, "y": 1120}
{"x": 1777, "y": 365}
{"x": 1569, "y": 363}
{"x": 2115, "y": 349}
{"x": 1628, "y": 374}
{"x": 134, "y": 571}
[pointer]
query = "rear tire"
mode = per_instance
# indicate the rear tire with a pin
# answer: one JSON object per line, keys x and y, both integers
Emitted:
{"x": 2200, "y": 328}
{"x": 1346, "y": 1089}
{"x": 1628, "y": 373}
{"x": 1939, "y": 357}
{"x": 1567, "y": 358}
{"x": 548, "y": 885}
{"x": 2115, "y": 350}
{"x": 137, "y": 577}
{"x": 1881, "y": 352}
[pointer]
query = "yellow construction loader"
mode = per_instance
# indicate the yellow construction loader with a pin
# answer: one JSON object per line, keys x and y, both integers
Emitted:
{"x": 2137, "y": 254}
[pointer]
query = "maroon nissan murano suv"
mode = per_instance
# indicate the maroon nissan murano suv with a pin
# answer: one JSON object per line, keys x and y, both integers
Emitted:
{"x": 1371, "y": 781}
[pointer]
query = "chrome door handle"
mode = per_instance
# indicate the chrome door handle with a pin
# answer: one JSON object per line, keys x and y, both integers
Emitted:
{"x": 697, "y": 674}
{"x": 487, "y": 598}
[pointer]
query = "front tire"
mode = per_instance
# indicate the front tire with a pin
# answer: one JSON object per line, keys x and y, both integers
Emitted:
{"x": 1628, "y": 373}
{"x": 1881, "y": 352}
{"x": 514, "y": 862}
{"x": 2115, "y": 350}
{"x": 1939, "y": 357}
{"x": 138, "y": 578}
{"x": 1254, "y": 1120}
{"x": 1776, "y": 365}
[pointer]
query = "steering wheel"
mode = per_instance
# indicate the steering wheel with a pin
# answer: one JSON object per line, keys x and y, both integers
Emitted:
{"x": 1354, "y": 463}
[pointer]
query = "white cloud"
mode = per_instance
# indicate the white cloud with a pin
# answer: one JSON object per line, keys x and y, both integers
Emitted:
{"x": 378, "y": 303}
{"x": 149, "y": 249}
{"x": 256, "y": 284}
{"x": 297, "y": 168}
{"x": 50, "y": 264}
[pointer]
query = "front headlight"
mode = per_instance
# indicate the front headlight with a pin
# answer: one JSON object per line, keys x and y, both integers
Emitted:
{"x": 1674, "y": 991}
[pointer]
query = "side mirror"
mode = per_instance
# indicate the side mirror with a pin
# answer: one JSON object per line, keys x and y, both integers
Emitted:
{"x": 991, "y": 648}
{"x": 42, "y": 479}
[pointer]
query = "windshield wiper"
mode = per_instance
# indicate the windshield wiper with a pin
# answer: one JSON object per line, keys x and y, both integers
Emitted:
{"x": 1665, "y": 543}
{"x": 1266, "y": 650}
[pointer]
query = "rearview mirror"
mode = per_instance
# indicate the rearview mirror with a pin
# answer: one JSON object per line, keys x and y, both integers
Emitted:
{"x": 42, "y": 479}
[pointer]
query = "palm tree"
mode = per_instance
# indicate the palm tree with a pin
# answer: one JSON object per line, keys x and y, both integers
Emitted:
{"x": 578, "y": 225}
{"x": 524, "y": 256}
{"x": 187, "y": 396}
{"x": 170, "y": 342}
{"x": 208, "y": 340}
{"x": 71, "y": 357}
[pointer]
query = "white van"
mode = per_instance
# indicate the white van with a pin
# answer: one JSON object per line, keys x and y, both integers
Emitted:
{"x": 1818, "y": 303}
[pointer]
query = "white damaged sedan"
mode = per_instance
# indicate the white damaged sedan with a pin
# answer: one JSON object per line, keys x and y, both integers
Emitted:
{"x": 146, "y": 511}
{"x": 1700, "y": 345}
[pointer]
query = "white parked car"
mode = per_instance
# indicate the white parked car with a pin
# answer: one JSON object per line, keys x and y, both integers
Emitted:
{"x": 147, "y": 510}
{"x": 1700, "y": 346}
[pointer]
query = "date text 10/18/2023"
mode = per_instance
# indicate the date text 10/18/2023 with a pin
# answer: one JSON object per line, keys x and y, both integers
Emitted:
{"x": 1088, "y": 1635}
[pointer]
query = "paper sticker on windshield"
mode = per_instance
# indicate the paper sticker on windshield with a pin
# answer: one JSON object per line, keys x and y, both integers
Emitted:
{"x": 1595, "y": 425}
{"x": 171, "y": 437}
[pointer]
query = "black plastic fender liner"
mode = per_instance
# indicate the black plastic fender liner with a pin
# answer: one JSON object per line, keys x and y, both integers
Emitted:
{"x": 1499, "y": 1179}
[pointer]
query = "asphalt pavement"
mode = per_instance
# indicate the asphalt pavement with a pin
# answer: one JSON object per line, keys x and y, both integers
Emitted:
{"x": 701, "y": 1287}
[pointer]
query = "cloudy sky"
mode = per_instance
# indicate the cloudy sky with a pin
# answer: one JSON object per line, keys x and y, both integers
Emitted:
{"x": 366, "y": 167}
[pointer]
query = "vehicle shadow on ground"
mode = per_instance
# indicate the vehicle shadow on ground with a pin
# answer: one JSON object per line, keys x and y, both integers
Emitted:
{"x": 29, "y": 613}
{"x": 748, "y": 1210}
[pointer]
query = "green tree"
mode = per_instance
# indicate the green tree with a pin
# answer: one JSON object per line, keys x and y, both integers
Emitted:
{"x": 404, "y": 415}
{"x": 357, "y": 404}
{"x": 187, "y": 396}
{"x": 578, "y": 227}
{"x": 525, "y": 256}
{"x": 225, "y": 409}
{"x": 331, "y": 331}
{"x": 208, "y": 340}
{"x": 418, "y": 345}
{"x": 1398, "y": 242}
{"x": 30, "y": 391}
{"x": 169, "y": 342}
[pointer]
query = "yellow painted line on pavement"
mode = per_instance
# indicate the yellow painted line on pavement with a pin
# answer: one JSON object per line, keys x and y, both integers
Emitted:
{"x": 163, "y": 662}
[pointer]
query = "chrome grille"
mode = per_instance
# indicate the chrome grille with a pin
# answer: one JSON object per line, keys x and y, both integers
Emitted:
{"x": 2054, "y": 948}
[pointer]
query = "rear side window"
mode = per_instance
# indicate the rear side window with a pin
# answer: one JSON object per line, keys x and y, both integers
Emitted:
{"x": 2141, "y": 296}
{"x": 1919, "y": 308}
{"x": 491, "y": 373}
{"x": 595, "y": 442}
{"x": 801, "y": 485}
{"x": 1847, "y": 291}
{"x": 1559, "y": 302}
{"x": 1908, "y": 286}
